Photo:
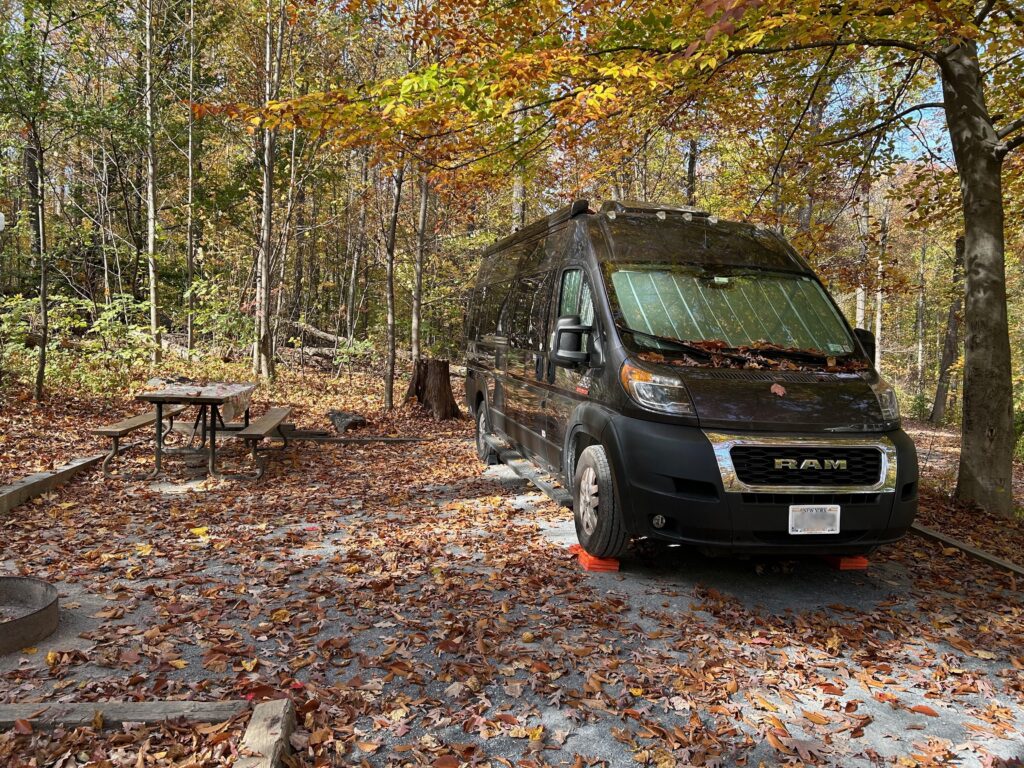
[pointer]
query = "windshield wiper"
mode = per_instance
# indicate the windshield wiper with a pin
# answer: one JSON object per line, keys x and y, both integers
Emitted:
{"x": 798, "y": 354}
{"x": 686, "y": 346}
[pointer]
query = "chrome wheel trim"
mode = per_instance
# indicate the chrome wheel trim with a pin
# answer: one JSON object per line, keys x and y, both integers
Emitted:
{"x": 589, "y": 500}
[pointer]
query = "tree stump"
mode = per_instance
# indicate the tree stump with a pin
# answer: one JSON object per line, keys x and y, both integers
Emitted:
{"x": 431, "y": 387}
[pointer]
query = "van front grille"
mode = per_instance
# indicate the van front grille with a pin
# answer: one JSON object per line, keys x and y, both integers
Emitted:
{"x": 807, "y": 465}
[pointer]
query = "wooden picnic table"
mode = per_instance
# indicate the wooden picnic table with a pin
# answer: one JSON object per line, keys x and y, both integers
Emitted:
{"x": 211, "y": 399}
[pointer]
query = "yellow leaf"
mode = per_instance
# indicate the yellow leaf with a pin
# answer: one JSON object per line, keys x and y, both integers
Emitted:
{"x": 52, "y": 659}
{"x": 178, "y": 663}
{"x": 201, "y": 532}
{"x": 31, "y": 650}
{"x": 144, "y": 549}
{"x": 280, "y": 616}
{"x": 250, "y": 665}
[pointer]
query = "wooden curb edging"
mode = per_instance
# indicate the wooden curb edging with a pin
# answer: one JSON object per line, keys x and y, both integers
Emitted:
{"x": 264, "y": 743}
{"x": 977, "y": 554}
{"x": 117, "y": 712}
{"x": 266, "y": 740}
{"x": 42, "y": 482}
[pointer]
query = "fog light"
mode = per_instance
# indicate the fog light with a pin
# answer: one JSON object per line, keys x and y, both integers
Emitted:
{"x": 658, "y": 521}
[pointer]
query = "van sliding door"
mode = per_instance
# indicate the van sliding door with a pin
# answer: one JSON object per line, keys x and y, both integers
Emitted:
{"x": 526, "y": 362}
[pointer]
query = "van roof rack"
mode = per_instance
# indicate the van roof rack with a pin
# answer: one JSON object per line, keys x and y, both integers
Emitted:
{"x": 553, "y": 219}
{"x": 638, "y": 206}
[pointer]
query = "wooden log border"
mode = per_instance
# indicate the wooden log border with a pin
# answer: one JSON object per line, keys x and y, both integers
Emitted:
{"x": 43, "y": 482}
{"x": 969, "y": 550}
{"x": 264, "y": 743}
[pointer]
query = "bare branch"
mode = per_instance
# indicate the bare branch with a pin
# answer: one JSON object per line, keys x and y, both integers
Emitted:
{"x": 1009, "y": 128}
{"x": 888, "y": 121}
{"x": 982, "y": 14}
{"x": 1011, "y": 145}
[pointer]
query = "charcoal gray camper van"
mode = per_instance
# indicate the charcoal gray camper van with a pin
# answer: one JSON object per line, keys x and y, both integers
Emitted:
{"x": 690, "y": 380}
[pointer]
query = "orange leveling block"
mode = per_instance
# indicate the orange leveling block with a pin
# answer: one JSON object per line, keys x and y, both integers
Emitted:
{"x": 591, "y": 563}
{"x": 852, "y": 563}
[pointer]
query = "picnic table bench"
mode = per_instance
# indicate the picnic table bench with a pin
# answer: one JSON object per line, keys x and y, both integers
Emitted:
{"x": 125, "y": 427}
{"x": 261, "y": 428}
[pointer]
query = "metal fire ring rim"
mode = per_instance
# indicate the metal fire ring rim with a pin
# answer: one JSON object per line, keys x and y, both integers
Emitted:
{"x": 40, "y": 623}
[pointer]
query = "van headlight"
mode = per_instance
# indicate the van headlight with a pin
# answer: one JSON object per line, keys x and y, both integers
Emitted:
{"x": 887, "y": 401}
{"x": 655, "y": 391}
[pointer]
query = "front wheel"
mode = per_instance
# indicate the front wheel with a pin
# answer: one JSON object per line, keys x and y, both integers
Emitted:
{"x": 599, "y": 526}
{"x": 484, "y": 451}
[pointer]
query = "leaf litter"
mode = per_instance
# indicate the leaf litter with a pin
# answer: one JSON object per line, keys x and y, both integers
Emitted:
{"x": 415, "y": 611}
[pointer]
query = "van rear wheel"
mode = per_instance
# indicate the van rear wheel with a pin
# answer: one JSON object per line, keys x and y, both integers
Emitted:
{"x": 484, "y": 452}
{"x": 599, "y": 526}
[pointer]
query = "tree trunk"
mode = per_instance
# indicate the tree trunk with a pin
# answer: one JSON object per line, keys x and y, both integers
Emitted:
{"x": 417, "y": 267}
{"x": 389, "y": 248}
{"x": 883, "y": 244}
{"x": 154, "y": 306}
{"x": 518, "y": 176}
{"x": 431, "y": 388}
{"x": 861, "y": 302}
{"x": 952, "y": 344}
{"x": 190, "y": 239}
{"x": 919, "y": 328}
{"x": 986, "y": 455}
{"x": 36, "y": 179}
{"x": 691, "y": 174}
{"x": 360, "y": 247}
{"x": 263, "y": 348}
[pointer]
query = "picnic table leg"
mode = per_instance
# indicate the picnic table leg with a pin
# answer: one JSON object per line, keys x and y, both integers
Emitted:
{"x": 158, "y": 453}
{"x": 212, "y": 464}
{"x": 246, "y": 417}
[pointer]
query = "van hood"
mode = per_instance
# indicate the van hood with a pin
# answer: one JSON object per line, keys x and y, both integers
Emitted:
{"x": 731, "y": 399}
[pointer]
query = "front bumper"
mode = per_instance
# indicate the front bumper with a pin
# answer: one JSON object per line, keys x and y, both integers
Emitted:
{"x": 676, "y": 472}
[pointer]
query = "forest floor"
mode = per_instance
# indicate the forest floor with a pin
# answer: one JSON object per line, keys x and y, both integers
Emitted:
{"x": 423, "y": 610}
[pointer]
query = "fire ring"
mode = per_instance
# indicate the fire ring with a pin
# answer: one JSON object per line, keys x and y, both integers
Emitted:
{"x": 33, "y": 603}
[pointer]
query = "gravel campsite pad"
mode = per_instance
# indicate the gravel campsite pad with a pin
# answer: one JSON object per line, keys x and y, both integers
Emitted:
{"x": 422, "y": 610}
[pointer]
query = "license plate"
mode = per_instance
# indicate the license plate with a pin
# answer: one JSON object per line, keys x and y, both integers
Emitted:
{"x": 813, "y": 518}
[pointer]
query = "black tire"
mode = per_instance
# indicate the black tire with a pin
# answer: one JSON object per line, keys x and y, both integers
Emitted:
{"x": 599, "y": 525}
{"x": 484, "y": 452}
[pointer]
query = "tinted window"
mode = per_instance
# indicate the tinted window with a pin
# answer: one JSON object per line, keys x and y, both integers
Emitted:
{"x": 490, "y": 301}
{"x": 526, "y": 315}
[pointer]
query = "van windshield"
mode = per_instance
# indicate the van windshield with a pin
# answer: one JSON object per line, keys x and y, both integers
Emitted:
{"x": 726, "y": 309}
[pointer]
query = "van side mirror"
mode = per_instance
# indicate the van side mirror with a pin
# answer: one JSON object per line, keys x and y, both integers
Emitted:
{"x": 867, "y": 340}
{"x": 567, "y": 342}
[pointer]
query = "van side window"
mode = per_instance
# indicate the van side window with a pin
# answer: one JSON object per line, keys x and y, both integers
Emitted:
{"x": 491, "y": 301}
{"x": 575, "y": 297}
{"x": 527, "y": 312}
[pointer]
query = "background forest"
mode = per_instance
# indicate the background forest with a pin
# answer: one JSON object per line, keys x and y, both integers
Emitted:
{"x": 311, "y": 183}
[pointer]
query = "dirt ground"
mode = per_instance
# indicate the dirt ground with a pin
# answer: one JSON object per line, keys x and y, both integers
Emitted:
{"x": 424, "y": 610}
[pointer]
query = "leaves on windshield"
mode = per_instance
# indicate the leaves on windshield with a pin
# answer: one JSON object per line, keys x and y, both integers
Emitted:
{"x": 758, "y": 356}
